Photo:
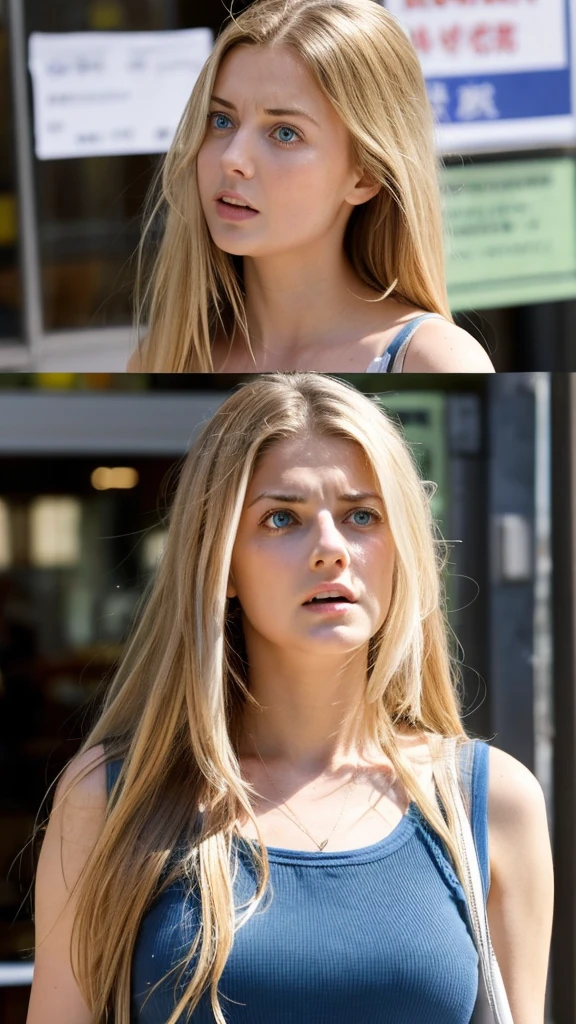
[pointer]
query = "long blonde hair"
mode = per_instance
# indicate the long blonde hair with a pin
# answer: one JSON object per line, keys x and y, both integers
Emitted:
{"x": 172, "y": 714}
{"x": 394, "y": 241}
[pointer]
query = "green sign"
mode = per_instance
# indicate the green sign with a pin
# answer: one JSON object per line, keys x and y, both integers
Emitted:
{"x": 422, "y": 416}
{"x": 511, "y": 232}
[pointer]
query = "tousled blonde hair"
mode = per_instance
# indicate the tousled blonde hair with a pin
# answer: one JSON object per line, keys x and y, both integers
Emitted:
{"x": 394, "y": 242}
{"x": 172, "y": 714}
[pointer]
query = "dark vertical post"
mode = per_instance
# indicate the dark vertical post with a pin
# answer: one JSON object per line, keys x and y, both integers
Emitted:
{"x": 28, "y": 235}
{"x": 564, "y": 634}
{"x": 511, "y": 508}
{"x": 544, "y": 336}
{"x": 467, "y": 524}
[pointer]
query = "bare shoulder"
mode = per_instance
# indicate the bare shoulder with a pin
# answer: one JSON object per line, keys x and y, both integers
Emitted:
{"x": 80, "y": 802}
{"x": 439, "y": 346}
{"x": 521, "y": 898}
{"x": 84, "y": 777}
{"x": 517, "y": 815}
{"x": 77, "y": 820}
{"x": 513, "y": 791}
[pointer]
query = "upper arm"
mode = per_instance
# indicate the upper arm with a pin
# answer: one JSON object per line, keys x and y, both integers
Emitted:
{"x": 520, "y": 903}
{"x": 439, "y": 346}
{"x": 75, "y": 824}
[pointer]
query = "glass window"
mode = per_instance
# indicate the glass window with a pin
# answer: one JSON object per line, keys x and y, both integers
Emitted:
{"x": 10, "y": 291}
{"x": 89, "y": 209}
{"x": 79, "y": 538}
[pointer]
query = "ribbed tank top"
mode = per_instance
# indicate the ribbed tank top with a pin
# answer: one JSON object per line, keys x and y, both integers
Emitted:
{"x": 376, "y": 935}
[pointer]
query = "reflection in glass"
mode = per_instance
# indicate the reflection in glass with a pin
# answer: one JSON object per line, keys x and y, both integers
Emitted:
{"x": 55, "y": 532}
{"x": 74, "y": 562}
{"x": 90, "y": 209}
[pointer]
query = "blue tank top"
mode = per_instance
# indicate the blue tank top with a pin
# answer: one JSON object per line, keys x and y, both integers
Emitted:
{"x": 377, "y": 935}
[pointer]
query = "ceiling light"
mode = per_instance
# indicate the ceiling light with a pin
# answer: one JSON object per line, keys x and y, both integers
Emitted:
{"x": 117, "y": 478}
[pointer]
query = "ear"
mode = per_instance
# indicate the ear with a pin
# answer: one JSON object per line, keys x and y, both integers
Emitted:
{"x": 364, "y": 190}
{"x": 231, "y": 589}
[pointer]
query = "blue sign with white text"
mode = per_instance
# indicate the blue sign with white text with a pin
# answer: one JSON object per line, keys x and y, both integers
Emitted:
{"x": 498, "y": 71}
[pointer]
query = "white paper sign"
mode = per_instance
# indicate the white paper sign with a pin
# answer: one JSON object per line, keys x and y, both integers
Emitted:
{"x": 498, "y": 71}
{"x": 112, "y": 93}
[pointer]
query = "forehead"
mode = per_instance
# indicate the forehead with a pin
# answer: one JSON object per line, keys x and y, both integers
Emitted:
{"x": 314, "y": 462}
{"x": 269, "y": 77}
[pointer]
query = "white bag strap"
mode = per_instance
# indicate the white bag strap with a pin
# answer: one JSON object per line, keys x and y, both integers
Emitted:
{"x": 475, "y": 894}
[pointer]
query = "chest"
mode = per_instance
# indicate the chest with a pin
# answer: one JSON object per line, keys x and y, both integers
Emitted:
{"x": 362, "y": 807}
{"x": 371, "y": 937}
{"x": 350, "y": 355}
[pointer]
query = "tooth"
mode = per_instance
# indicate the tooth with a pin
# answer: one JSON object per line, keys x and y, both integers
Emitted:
{"x": 235, "y": 202}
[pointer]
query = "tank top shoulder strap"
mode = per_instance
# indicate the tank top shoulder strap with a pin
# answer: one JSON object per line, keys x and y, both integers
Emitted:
{"x": 474, "y": 769}
{"x": 392, "y": 360}
{"x": 113, "y": 769}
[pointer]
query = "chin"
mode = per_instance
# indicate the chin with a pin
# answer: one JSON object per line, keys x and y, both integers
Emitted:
{"x": 231, "y": 250}
{"x": 226, "y": 244}
{"x": 337, "y": 642}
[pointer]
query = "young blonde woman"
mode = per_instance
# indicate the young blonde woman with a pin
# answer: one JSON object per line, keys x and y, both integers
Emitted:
{"x": 300, "y": 206}
{"x": 259, "y": 826}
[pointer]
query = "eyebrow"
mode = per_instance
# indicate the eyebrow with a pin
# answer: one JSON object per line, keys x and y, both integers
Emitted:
{"x": 273, "y": 112}
{"x": 298, "y": 499}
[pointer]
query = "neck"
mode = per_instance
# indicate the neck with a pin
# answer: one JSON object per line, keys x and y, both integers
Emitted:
{"x": 296, "y": 300}
{"x": 311, "y": 715}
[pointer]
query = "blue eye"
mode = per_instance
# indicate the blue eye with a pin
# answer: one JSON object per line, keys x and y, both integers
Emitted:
{"x": 362, "y": 517}
{"x": 285, "y": 141}
{"x": 290, "y": 134}
{"x": 218, "y": 117}
{"x": 280, "y": 520}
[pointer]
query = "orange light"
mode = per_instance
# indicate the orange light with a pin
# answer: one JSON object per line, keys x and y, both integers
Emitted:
{"x": 5, "y": 536}
{"x": 116, "y": 478}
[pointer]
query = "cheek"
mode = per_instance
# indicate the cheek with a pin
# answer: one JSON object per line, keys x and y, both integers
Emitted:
{"x": 263, "y": 604}
{"x": 306, "y": 179}
{"x": 250, "y": 571}
{"x": 261, "y": 578}
{"x": 379, "y": 565}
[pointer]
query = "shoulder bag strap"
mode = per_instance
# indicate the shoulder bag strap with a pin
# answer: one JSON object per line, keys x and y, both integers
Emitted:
{"x": 475, "y": 894}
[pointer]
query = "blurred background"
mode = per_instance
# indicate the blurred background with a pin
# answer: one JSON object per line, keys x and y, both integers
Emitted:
{"x": 79, "y": 146}
{"x": 87, "y": 467}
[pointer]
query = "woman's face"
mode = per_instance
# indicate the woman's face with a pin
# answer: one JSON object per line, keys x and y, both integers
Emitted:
{"x": 295, "y": 168}
{"x": 313, "y": 522}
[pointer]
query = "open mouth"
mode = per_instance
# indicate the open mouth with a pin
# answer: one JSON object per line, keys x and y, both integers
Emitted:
{"x": 336, "y": 599}
{"x": 236, "y": 206}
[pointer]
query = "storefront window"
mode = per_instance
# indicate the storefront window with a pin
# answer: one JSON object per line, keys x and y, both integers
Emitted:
{"x": 10, "y": 290}
{"x": 89, "y": 208}
{"x": 79, "y": 538}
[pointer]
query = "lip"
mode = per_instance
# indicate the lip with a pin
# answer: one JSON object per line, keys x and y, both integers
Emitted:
{"x": 234, "y": 213}
{"x": 327, "y": 588}
{"x": 331, "y": 610}
{"x": 235, "y": 195}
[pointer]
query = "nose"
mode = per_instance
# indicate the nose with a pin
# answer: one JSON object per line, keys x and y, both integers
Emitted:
{"x": 329, "y": 547}
{"x": 236, "y": 157}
